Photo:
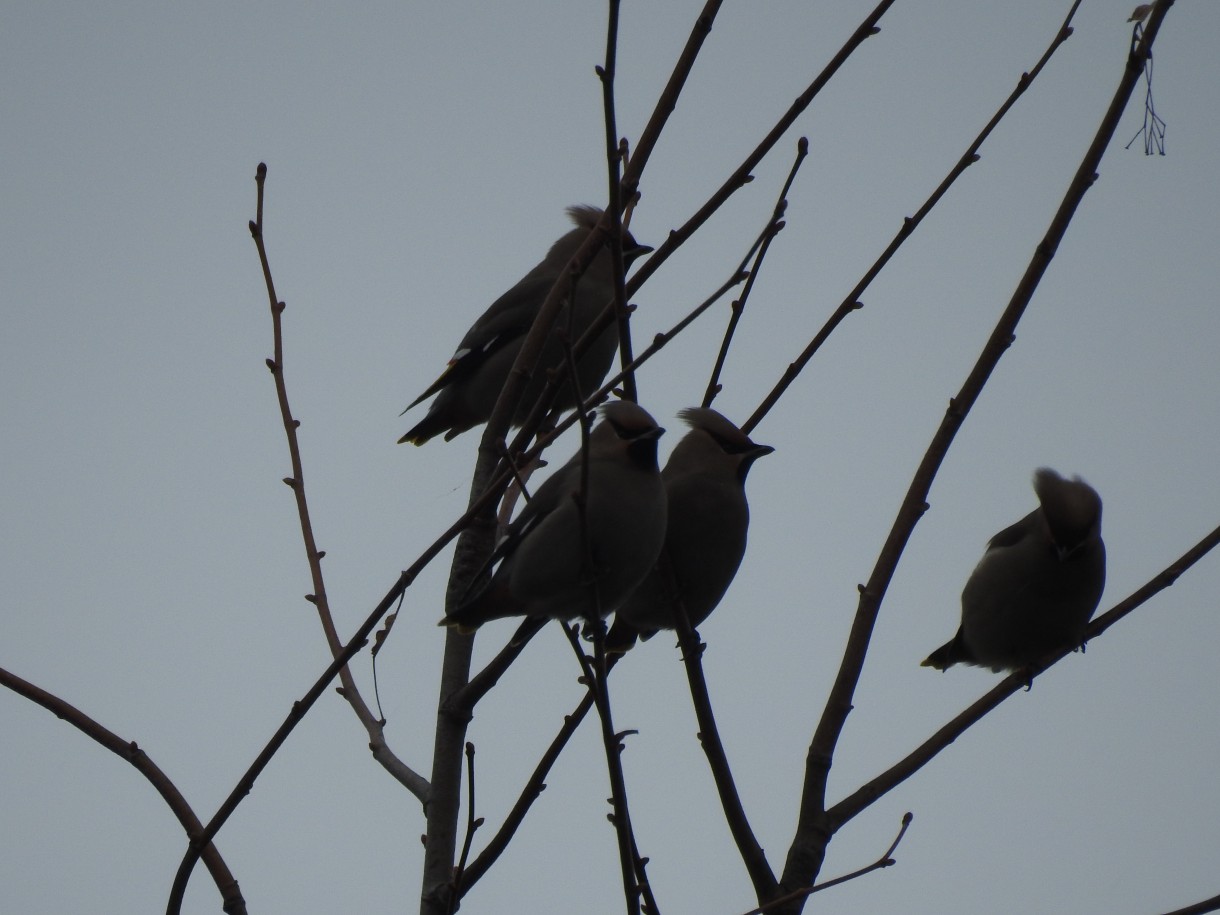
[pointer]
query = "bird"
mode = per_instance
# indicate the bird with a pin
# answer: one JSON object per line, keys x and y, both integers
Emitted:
{"x": 1037, "y": 585}
{"x": 1140, "y": 13}
{"x": 705, "y": 536}
{"x": 467, "y": 390}
{"x": 554, "y": 564}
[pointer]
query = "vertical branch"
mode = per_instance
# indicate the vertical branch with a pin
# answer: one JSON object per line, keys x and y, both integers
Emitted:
{"x": 413, "y": 781}
{"x": 814, "y": 829}
{"x": 615, "y": 154}
{"x": 472, "y": 825}
{"x": 595, "y": 673}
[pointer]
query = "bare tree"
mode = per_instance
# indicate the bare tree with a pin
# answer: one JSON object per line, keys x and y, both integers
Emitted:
{"x": 455, "y": 858}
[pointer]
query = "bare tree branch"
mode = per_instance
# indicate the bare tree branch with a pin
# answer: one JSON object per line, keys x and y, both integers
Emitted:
{"x": 230, "y": 892}
{"x": 852, "y": 301}
{"x": 775, "y": 226}
{"x": 814, "y": 828}
{"x": 408, "y": 777}
{"x": 868, "y": 793}
{"x": 886, "y": 860}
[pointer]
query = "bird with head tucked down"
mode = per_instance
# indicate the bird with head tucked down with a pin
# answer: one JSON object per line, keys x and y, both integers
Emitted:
{"x": 467, "y": 390}
{"x": 1037, "y": 585}
{"x": 559, "y": 562}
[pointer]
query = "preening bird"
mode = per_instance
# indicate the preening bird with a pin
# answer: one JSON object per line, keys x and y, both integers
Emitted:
{"x": 705, "y": 537}
{"x": 467, "y": 390}
{"x": 550, "y": 563}
{"x": 1037, "y": 585}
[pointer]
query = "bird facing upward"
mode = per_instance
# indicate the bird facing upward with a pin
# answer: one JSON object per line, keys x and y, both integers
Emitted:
{"x": 705, "y": 537}
{"x": 553, "y": 563}
{"x": 467, "y": 390}
{"x": 1037, "y": 585}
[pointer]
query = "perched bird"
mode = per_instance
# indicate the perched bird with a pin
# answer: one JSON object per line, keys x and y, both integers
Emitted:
{"x": 1140, "y": 13}
{"x": 467, "y": 390}
{"x": 705, "y": 537}
{"x": 550, "y": 562}
{"x": 1037, "y": 585}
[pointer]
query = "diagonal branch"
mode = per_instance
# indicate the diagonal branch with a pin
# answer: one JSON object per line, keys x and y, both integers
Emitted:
{"x": 814, "y": 828}
{"x": 863, "y": 797}
{"x": 741, "y": 175}
{"x": 234, "y": 904}
{"x": 774, "y": 227}
{"x": 852, "y": 301}
{"x": 752, "y": 855}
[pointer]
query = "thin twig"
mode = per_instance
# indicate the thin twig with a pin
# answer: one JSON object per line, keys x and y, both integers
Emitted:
{"x": 128, "y": 750}
{"x": 886, "y": 860}
{"x": 614, "y": 207}
{"x": 595, "y": 672}
{"x": 851, "y": 302}
{"x": 472, "y": 825}
{"x": 774, "y": 226}
{"x": 373, "y": 724}
{"x": 814, "y": 828}
{"x": 534, "y": 787}
{"x": 741, "y": 176}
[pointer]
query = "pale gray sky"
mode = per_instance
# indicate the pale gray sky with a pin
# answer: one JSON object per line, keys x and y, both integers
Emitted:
{"x": 420, "y": 158}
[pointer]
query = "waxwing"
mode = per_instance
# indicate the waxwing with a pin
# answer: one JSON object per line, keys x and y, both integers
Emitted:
{"x": 546, "y": 556}
{"x": 1037, "y": 585}
{"x": 467, "y": 390}
{"x": 705, "y": 536}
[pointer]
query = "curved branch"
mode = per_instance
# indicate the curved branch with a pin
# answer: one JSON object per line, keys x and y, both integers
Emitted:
{"x": 234, "y": 904}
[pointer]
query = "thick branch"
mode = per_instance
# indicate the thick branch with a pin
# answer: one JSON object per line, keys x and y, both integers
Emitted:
{"x": 814, "y": 829}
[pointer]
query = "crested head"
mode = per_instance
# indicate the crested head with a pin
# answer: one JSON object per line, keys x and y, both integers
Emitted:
{"x": 727, "y": 435}
{"x": 629, "y": 420}
{"x": 1072, "y": 509}
{"x": 721, "y": 434}
{"x": 585, "y": 216}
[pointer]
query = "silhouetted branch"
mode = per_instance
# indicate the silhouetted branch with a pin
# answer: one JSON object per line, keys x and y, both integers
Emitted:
{"x": 741, "y": 176}
{"x": 533, "y": 788}
{"x": 774, "y": 226}
{"x": 234, "y": 904}
{"x": 863, "y": 797}
{"x": 886, "y": 860}
{"x": 752, "y": 855}
{"x": 814, "y": 828}
{"x": 615, "y": 155}
{"x": 373, "y": 724}
{"x": 472, "y": 825}
{"x": 851, "y": 301}
{"x": 1199, "y": 908}
{"x": 465, "y": 699}
{"x": 595, "y": 672}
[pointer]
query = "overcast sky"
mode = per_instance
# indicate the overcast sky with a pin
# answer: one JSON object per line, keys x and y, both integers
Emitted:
{"x": 420, "y": 159}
